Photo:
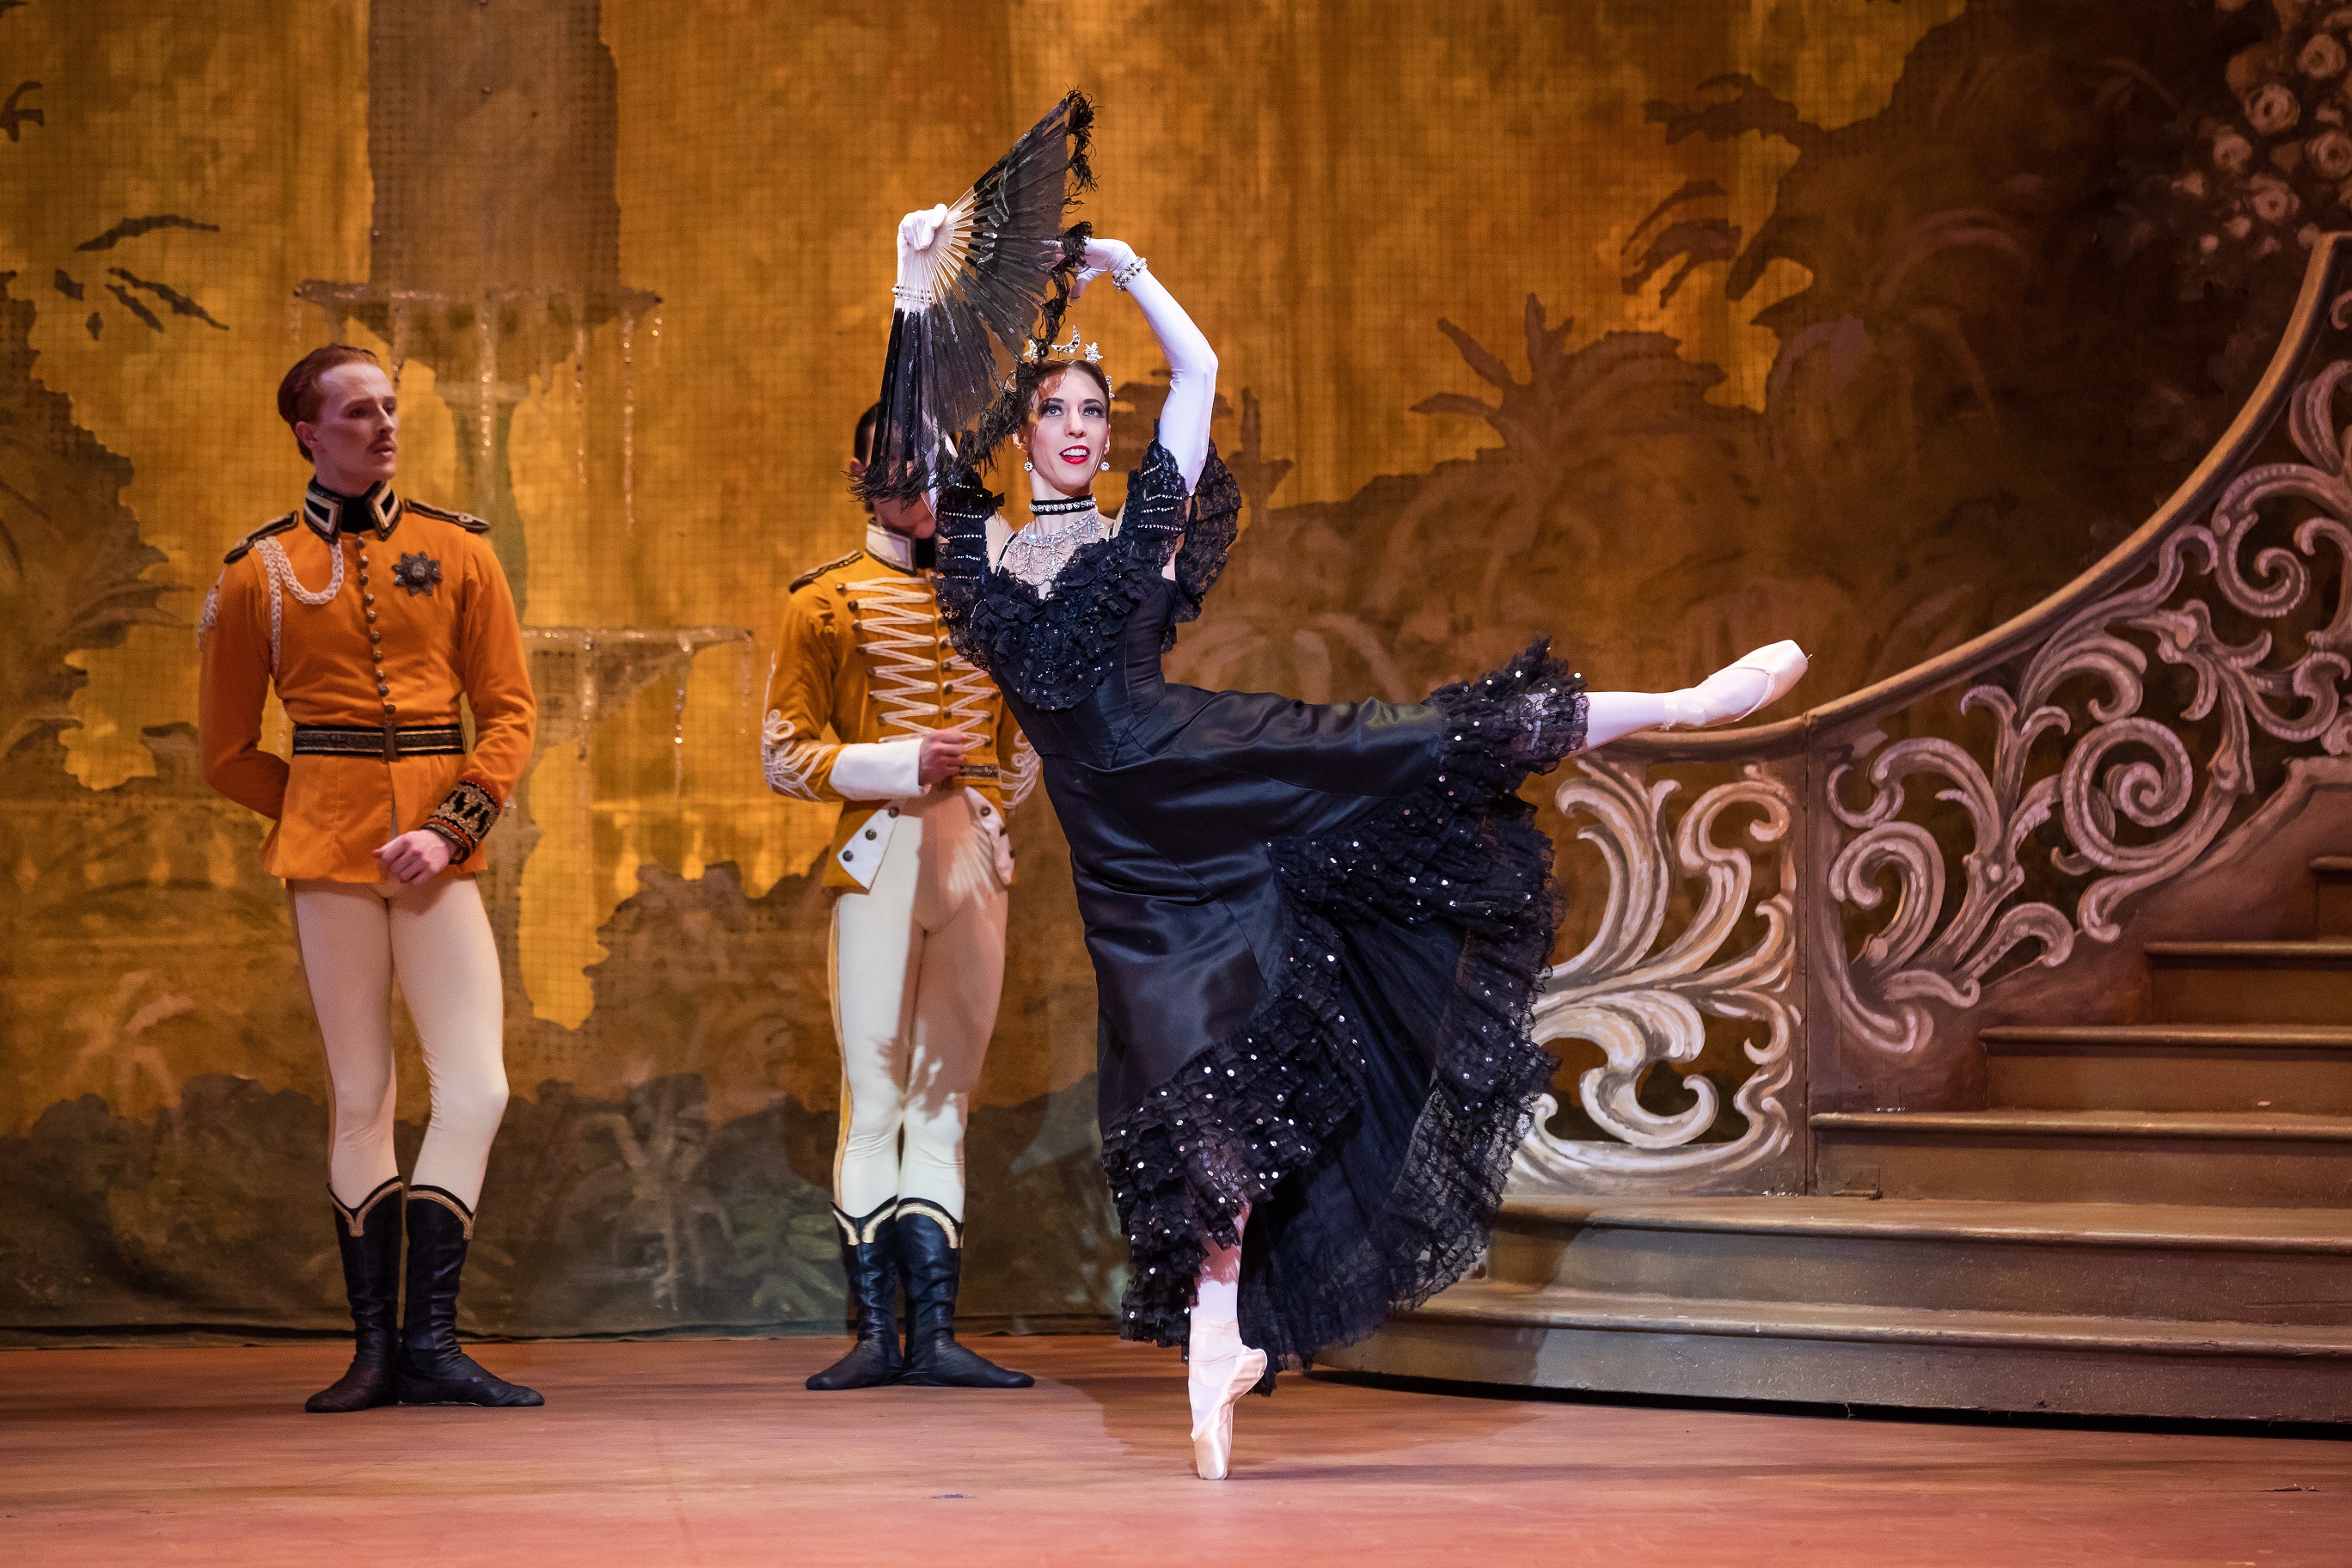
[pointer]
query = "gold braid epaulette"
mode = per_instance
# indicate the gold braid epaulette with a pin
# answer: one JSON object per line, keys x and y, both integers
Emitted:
{"x": 464, "y": 818}
{"x": 238, "y": 553}
{"x": 814, "y": 573}
{"x": 464, "y": 520}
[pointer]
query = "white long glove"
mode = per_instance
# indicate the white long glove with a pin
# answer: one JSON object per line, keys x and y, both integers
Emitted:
{"x": 918, "y": 260}
{"x": 1191, "y": 363}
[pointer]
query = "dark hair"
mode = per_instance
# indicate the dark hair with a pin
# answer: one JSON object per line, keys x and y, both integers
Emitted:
{"x": 1054, "y": 367}
{"x": 298, "y": 398}
{"x": 861, "y": 446}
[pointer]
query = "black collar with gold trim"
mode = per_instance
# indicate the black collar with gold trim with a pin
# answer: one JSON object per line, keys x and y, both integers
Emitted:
{"x": 329, "y": 512}
{"x": 897, "y": 550}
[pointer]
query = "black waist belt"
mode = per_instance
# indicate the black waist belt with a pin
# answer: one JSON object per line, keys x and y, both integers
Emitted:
{"x": 354, "y": 740}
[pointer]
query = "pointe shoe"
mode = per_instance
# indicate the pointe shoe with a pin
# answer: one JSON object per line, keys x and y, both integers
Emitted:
{"x": 1213, "y": 1395}
{"x": 1782, "y": 664}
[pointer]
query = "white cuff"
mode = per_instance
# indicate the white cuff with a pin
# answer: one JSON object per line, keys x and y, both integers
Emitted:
{"x": 880, "y": 770}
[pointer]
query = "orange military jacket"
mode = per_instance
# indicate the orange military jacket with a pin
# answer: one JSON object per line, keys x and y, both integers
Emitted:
{"x": 861, "y": 657}
{"x": 388, "y": 626}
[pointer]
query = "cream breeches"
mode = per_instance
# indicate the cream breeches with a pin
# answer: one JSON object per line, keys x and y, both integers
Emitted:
{"x": 355, "y": 937}
{"x": 917, "y": 968}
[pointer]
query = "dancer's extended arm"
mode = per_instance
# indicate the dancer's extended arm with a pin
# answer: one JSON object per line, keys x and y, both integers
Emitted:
{"x": 1191, "y": 363}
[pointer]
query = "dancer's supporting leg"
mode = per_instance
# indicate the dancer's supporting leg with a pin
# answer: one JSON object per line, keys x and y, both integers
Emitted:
{"x": 344, "y": 932}
{"x": 875, "y": 950}
{"x": 959, "y": 911}
{"x": 1221, "y": 1367}
{"x": 448, "y": 962}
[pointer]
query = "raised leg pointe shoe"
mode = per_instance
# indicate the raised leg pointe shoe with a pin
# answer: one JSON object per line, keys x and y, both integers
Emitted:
{"x": 1739, "y": 689}
{"x": 369, "y": 1239}
{"x": 869, "y": 1257}
{"x": 1222, "y": 1369}
{"x": 930, "y": 1250}
{"x": 433, "y": 1370}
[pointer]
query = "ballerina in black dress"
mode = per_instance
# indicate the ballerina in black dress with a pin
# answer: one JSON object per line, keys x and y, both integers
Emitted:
{"x": 1316, "y": 930}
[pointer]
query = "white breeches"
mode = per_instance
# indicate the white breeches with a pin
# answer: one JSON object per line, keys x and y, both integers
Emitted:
{"x": 917, "y": 967}
{"x": 355, "y": 937}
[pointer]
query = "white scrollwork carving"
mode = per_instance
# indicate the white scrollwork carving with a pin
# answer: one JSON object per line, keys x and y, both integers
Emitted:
{"x": 2126, "y": 768}
{"x": 1641, "y": 1008}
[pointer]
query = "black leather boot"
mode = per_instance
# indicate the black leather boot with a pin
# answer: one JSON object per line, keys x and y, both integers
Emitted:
{"x": 433, "y": 1370}
{"x": 368, "y": 1239}
{"x": 931, "y": 1249}
{"x": 869, "y": 1256}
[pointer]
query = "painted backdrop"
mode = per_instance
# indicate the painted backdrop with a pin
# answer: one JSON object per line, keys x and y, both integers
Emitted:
{"x": 1671, "y": 329}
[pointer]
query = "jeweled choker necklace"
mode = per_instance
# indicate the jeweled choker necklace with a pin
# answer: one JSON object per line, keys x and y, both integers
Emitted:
{"x": 1058, "y": 528}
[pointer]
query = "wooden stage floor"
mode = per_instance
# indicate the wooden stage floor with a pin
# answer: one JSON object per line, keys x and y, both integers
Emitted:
{"x": 712, "y": 1453}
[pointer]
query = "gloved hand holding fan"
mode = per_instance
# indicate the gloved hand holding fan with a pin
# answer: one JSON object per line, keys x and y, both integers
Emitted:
{"x": 990, "y": 271}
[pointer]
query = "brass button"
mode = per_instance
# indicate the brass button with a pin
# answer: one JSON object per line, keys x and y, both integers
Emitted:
{"x": 374, "y": 636}
{"x": 367, "y": 598}
{"x": 363, "y": 558}
{"x": 388, "y": 710}
{"x": 363, "y": 577}
{"x": 869, "y": 833}
{"x": 382, "y": 689}
{"x": 894, "y": 811}
{"x": 371, "y": 615}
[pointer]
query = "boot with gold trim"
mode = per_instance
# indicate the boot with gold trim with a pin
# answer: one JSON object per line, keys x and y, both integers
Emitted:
{"x": 368, "y": 1238}
{"x": 869, "y": 1256}
{"x": 931, "y": 1249}
{"x": 433, "y": 1370}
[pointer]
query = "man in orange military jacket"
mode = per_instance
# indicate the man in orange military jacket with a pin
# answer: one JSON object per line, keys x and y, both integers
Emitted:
{"x": 373, "y": 615}
{"x": 869, "y": 706}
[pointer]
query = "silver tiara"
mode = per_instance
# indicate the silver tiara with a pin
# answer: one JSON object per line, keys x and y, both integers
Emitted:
{"x": 1073, "y": 349}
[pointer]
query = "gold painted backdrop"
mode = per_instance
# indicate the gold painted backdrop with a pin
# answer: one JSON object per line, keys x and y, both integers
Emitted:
{"x": 1671, "y": 329}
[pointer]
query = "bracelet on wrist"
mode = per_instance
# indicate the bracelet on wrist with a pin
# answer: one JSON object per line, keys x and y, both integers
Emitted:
{"x": 1120, "y": 277}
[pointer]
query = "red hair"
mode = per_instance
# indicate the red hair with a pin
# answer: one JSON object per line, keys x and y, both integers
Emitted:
{"x": 298, "y": 398}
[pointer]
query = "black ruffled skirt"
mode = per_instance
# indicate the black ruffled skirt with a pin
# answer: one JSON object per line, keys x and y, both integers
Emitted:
{"x": 1317, "y": 933}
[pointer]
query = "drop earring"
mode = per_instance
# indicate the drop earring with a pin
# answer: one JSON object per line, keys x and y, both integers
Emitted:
{"x": 1028, "y": 467}
{"x": 1106, "y": 465}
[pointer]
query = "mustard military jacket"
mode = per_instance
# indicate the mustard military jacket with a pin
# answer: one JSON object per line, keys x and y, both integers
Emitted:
{"x": 372, "y": 616}
{"x": 862, "y": 660}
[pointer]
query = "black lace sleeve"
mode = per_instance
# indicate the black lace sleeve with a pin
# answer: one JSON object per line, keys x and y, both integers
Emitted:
{"x": 1208, "y": 536}
{"x": 961, "y": 576}
{"x": 1198, "y": 529}
{"x": 1153, "y": 521}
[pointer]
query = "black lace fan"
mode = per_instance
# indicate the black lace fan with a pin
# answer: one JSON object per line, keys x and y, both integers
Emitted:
{"x": 996, "y": 278}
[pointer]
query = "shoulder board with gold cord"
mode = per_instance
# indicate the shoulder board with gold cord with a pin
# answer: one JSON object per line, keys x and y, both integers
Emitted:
{"x": 278, "y": 525}
{"x": 464, "y": 520}
{"x": 814, "y": 573}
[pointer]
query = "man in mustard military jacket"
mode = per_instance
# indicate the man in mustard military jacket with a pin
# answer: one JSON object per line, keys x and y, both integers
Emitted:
{"x": 870, "y": 707}
{"x": 373, "y": 615}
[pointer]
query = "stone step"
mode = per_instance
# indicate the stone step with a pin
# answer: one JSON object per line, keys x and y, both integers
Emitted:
{"x": 1493, "y": 1332}
{"x": 2171, "y": 1067}
{"x": 2332, "y": 908}
{"x": 2277, "y": 1267}
{"x": 2252, "y": 982}
{"x": 2238, "y": 1159}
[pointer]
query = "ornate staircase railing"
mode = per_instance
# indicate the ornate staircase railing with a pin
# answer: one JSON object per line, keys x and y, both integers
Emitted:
{"x": 1855, "y": 877}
